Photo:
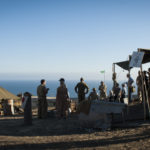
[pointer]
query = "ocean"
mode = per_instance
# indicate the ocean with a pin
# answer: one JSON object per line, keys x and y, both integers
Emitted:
{"x": 17, "y": 87}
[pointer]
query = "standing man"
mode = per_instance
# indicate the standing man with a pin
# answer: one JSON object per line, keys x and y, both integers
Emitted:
{"x": 62, "y": 97}
{"x": 117, "y": 93}
{"x": 130, "y": 87}
{"x": 103, "y": 91}
{"x": 139, "y": 85}
{"x": 123, "y": 93}
{"x": 93, "y": 95}
{"x": 27, "y": 109}
{"x": 81, "y": 89}
{"x": 42, "y": 102}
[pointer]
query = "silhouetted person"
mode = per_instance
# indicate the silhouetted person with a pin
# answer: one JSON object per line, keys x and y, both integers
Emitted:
{"x": 123, "y": 93}
{"x": 27, "y": 109}
{"x": 146, "y": 79}
{"x": 130, "y": 87}
{"x": 81, "y": 89}
{"x": 117, "y": 93}
{"x": 42, "y": 101}
{"x": 93, "y": 95}
{"x": 62, "y": 97}
{"x": 103, "y": 91}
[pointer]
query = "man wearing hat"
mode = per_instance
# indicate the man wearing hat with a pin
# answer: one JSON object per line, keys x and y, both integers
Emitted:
{"x": 103, "y": 91}
{"x": 42, "y": 101}
{"x": 81, "y": 89}
{"x": 93, "y": 95}
{"x": 62, "y": 98}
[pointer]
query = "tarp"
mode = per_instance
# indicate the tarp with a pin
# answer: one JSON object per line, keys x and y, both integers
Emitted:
{"x": 146, "y": 59}
{"x": 123, "y": 64}
{"x": 4, "y": 94}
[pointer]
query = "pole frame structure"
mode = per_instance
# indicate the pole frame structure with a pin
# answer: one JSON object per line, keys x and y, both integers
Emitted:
{"x": 144, "y": 97}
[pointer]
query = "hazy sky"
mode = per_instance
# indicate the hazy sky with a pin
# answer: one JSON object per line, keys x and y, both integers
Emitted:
{"x": 70, "y": 38}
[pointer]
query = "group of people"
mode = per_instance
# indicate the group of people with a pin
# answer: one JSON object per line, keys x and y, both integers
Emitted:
{"x": 117, "y": 94}
{"x": 62, "y": 99}
{"x": 62, "y": 96}
{"x": 143, "y": 87}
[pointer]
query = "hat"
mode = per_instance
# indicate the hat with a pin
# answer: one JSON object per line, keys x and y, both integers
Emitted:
{"x": 62, "y": 79}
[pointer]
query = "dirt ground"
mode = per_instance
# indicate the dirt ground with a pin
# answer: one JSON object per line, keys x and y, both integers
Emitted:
{"x": 52, "y": 133}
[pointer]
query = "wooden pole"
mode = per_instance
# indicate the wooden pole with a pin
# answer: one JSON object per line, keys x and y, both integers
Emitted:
{"x": 129, "y": 98}
{"x": 143, "y": 93}
{"x": 129, "y": 91}
{"x": 146, "y": 91}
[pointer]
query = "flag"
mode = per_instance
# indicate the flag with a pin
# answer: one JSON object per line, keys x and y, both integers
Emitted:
{"x": 103, "y": 71}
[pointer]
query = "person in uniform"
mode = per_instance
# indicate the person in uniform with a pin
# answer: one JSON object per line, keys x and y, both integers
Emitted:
{"x": 123, "y": 93}
{"x": 139, "y": 85}
{"x": 42, "y": 101}
{"x": 146, "y": 79}
{"x": 62, "y": 99}
{"x": 130, "y": 87}
{"x": 81, "y": 89}
{"x": 117, "y": 93}
{"x": 103, "y": 91}
{"x": 93, "y": 95}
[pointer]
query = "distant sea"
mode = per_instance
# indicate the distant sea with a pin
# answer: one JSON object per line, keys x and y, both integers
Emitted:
{"x": 17, "y": 87}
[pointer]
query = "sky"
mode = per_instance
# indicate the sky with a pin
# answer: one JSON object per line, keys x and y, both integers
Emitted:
{"x": 70, "y": 38}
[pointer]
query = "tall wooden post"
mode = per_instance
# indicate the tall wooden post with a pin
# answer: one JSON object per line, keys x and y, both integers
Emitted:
{"x": 129, "y": 91}
{"x": 147, "y": 97}
{"x": 143, "y": 91}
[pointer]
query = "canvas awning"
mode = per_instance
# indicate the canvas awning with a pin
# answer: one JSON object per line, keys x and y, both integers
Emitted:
{"x": 125, "y": 64}
{"x": 4, "y": 94}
